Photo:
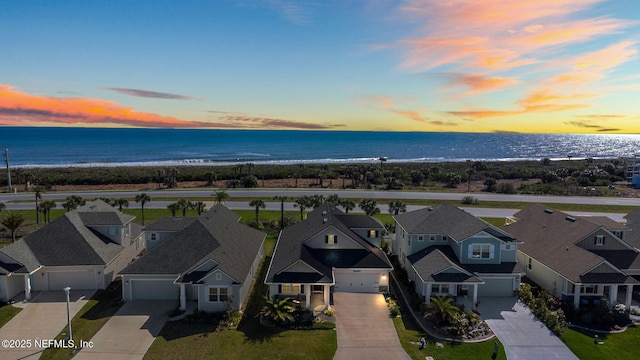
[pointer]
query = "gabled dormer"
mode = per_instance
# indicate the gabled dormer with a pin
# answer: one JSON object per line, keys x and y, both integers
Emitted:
{"x": 105, "y": 220}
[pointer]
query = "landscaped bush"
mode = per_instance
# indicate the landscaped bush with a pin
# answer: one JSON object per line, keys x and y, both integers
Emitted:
{"x": 469, "y": 200}
{"x": 545, "y": 307}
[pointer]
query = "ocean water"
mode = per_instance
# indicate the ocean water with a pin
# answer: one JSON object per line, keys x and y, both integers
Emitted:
{"x": 59, "y": 147}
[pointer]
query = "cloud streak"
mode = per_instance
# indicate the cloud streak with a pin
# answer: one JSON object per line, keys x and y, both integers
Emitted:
{"x": 21, "y": 109}
{"x": 149, "y": 94}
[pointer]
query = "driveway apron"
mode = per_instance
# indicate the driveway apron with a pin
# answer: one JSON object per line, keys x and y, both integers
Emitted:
{"x": 41, "y": 319}
{"x": 130, "y": 332}
{"x": 524, "y": 337}
{"x": 364, "y": 328}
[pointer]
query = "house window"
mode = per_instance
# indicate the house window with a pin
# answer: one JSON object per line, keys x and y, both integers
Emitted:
{"x": 599, "y": 240}
{"x": 435, "y": 288}
{"x": 590, "y": 289}
{"x": 218, "y": 276}
{"x": 218, "y": 294}
{"x": 291, "y": 289}
{"x": 432, "y": 238}
{"x": 444, "y": 288}
{"x": 409, "y": 241}
{"x": 420, "y": 238}
{"x": 530, "y": 263}
{"x": 439, "y": 288}
{"x": 481, "y": 251}
{"x": 507, "y": 246}
{"x": 331, "y": 239}
{"x": 154, "y": 236}
{"x": 373, "y": 233}
{"x": 444, "y": 238}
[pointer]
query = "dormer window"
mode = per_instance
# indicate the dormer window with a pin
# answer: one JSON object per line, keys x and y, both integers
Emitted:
{"x": 420, "y": 238}
{"x": 599, "y": 240}
{"x": 154, "y": 236}
{"x": 373, "y": 233}
{"x": 331, "y": 239}
{"x": 432, "y": 238}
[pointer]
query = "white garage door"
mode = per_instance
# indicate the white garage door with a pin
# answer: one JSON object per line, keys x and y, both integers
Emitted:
{"x": 496, "y": 287}
{"x": 354, "y": 281}
{"x": 76, "y": 280}
{"x": 154, "y": 290}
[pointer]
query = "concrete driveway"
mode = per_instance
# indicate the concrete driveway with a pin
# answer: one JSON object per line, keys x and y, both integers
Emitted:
{"x": 130, "y": 332}
{"x": 364, "y": 328}
{"x": 523, "y": 336}
{"x": 41, "y": 319}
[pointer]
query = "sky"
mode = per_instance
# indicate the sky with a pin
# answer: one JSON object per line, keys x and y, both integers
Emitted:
{"x": 542, "y": 66}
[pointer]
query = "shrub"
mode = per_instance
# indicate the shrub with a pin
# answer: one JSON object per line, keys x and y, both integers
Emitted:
{"x": 469, "y": 200}
{"x": 505, "y": 188}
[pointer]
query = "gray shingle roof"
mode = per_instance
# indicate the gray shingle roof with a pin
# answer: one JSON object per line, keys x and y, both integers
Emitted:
{"x": 290, "y": 246}
{"x": 549, "y": 237}
{"x": 20, "y": 252}
{"x": 69, "y": 240}
{"x": 431, "y": 261}
{"x": 447, "y": 219}
{"x": 170, "y": 223}
{"x": 605, "y": 221}
{"x": 216, "y": 235}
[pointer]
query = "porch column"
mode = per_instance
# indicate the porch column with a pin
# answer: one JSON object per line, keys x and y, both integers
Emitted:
{"x": 428, "y": 293}
{"x": 326, "y": 296}
{"x": 475, "y": 294}
{"x": 613, "y": 295}
{"x": 627, "y": 302}
{"x": 307, "y": 293}
{"x": 27, "y": 287}
{"x": 183, "y": 297}
{"x": 576, "y": 296}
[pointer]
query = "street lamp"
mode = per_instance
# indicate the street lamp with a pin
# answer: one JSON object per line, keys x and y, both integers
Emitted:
{"x": 68, "y": 312}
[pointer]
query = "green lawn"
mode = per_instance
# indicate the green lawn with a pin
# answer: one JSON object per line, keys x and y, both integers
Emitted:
{"x": 93, "y": 315}
{"x": 185, "y": 340}
{"x": 7, "y": 313}
{"x": 625, "y": 345}
{"x": 408, "y": 331}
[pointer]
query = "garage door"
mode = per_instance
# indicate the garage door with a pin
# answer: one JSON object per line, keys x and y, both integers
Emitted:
{"x": 154, "y": 290}
{"x": 354, "y": 281}
{"x": 76, "y": 280}
{"x": 496, "y": 287}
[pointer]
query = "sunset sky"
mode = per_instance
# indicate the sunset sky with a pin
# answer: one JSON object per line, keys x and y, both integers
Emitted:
{"x": 552, "y": 66}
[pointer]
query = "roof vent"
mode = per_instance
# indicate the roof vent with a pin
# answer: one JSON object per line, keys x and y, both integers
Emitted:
{"x": 92, "y": 206}
{"x": 429, "y": 208}
{"x": 548, "y": 211}
{"x": 324, "y": 212}
{"x": 324, "y": 220}
{"x": 570, "y": 218}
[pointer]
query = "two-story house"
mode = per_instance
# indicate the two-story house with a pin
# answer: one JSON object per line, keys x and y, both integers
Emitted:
{"x": 328, "y": 251}
{"x": 576, "y": 258}
{"x": 83, "y": 249}
{"x": 449, "y": 252}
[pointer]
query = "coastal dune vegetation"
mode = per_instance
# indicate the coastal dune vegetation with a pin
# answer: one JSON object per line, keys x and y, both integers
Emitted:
{"x": 553, "y": 177}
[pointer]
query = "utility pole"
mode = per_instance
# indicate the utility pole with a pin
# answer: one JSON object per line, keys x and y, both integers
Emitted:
{"x": 6, "y": 160}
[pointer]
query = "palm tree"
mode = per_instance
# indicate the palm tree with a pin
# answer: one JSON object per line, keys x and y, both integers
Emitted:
{"x": 333, "y": 199}
{"x": 369, "y": 206}
{"x": 470, "y": 171}
{"x": 73, "y": 202}
{"x": 46, "y": 207}
{"x": 184, "y": 205}
{"x": 348, "y": 205}
{"x": 174, "y": 207}
{"x": 277, "y": 310}
{"x": 316, "y": 200}
{"x": 199, "y": 206}
{"x": 258, "y": 204}
{"x": 38, "y": 190}
{"x": 12, "y": 221}
{"x": 221, "y": 196}
{"x": 121, "y": 202}
{"x": 210, "y": 176}
{"x": 142, "y": 199}
{"x": 303, "y": 202}
{"x": 397, "y": 206}
{"x": 382, "y": 159}
{"x": 282, "y": 199}
{"x": 441, "y": 309}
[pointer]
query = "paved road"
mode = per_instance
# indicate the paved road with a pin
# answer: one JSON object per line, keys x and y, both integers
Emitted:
{"x": 364, "y": 328}
{"x": 523, "y": 336}
{"x": 41, "y": 319}
{"x": 370, "y": 194}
